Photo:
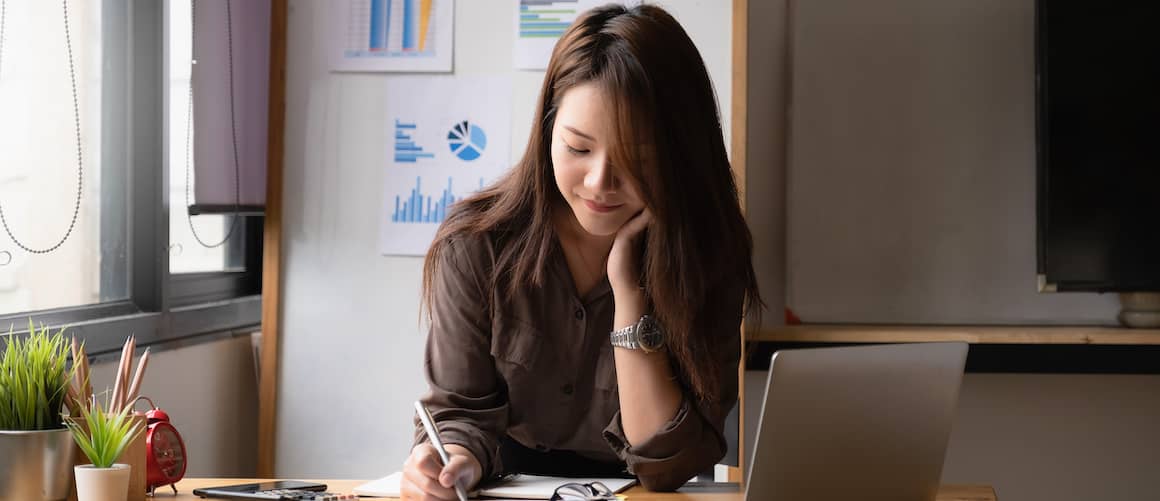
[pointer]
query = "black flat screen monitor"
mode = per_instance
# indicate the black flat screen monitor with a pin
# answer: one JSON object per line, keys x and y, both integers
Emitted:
{"x": 1098, "y": 145}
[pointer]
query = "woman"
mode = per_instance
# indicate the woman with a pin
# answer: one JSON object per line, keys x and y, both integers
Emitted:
{"x": 585, "y": 309}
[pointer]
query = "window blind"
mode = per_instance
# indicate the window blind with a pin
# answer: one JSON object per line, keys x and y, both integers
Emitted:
{"x": 223, "y": 113}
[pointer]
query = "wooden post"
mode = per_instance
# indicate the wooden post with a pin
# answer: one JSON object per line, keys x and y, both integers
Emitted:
{"x": 272, "y": 244}
{"x": 740, "y": 117}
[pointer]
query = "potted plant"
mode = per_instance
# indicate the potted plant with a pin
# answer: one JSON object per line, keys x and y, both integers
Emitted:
{"x": 103, "y": 435}
{"x": 36, "y": 450}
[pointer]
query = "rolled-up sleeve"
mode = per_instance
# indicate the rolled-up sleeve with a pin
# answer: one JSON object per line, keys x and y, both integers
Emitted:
{"x": 693, "y": 440}
{"x": 465, "y": 395}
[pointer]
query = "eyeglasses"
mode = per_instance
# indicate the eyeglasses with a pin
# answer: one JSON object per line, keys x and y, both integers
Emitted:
{"x": 594, "y": 491}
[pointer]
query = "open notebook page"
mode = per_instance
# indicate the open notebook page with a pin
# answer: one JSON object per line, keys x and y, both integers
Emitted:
{"x": 514, "y": 486}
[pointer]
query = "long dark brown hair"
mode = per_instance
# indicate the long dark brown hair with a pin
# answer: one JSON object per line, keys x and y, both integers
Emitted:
{"x": 668, "y": 142}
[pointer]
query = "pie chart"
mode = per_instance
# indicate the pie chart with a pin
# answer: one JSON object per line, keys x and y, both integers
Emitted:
{"x": 467, "y": 140}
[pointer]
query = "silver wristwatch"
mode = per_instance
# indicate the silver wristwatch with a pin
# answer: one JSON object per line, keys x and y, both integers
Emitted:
{"x": 644, "y": 335}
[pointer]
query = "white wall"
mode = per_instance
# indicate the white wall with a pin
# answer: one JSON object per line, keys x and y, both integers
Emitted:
{"x": 352, "y": 344}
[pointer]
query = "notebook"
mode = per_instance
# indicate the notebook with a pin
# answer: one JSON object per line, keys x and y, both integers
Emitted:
{"x": 514, "y": 486}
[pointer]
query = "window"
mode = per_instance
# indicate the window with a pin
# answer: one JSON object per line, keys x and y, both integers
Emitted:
{"x": 125, "y": 267}
{"x": 196, "y": 244}
{"x": 39, "y": 171}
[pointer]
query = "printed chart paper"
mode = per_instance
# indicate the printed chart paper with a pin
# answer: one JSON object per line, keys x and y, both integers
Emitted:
{"x": 446, "y": 138}
{"x": 539, "y": 24}
{"x": 391, "y": 35}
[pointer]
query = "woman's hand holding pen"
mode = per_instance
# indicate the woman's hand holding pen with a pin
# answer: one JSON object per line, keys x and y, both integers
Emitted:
{"x": 425, "y": 477}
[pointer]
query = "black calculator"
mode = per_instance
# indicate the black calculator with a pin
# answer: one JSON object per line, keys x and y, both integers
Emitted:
{"x": 290, "y": 490}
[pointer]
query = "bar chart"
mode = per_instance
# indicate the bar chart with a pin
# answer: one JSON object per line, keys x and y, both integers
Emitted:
{"x": 442, "y": 139}
{"x": 546, "y": 18}
{"x": 419, "y": 208}
{"x": 405, "y": 148}
{"x": 540, "y": 23}
{"x": 391, "y": 35}
{"x": 400, "y": 26}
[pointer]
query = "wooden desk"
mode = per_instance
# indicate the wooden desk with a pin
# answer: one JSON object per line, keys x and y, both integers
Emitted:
{"x": 946, "y": 493}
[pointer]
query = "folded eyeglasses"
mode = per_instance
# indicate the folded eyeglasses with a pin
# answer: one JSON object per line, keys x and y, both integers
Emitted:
{"x": 574, "y": 491}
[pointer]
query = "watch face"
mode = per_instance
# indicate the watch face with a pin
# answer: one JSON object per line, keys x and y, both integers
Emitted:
{"x": 168, "y": 451}
{"x": 649, "y": 334}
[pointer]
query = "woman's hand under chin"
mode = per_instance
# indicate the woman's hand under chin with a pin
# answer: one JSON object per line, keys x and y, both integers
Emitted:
{"x": 623, "y": 260}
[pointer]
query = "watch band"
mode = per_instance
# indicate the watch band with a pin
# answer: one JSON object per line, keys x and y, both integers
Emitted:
{"x": 643, "y": 335}
{"x": 626, "y": 337}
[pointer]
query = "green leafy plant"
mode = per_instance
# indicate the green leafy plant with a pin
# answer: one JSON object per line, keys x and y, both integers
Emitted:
{"x": 104, "y": 436}
{"x": 34, "y": 378}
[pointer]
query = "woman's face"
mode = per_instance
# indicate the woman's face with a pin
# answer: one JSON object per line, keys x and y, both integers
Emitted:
{"x": 599, "y": 197}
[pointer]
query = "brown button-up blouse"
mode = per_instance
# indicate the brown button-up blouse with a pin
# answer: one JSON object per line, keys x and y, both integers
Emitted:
{"x": 538, "y": 368}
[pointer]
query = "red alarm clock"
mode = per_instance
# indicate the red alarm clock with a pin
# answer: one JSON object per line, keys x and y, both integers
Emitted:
{"x": 164, "y": 450}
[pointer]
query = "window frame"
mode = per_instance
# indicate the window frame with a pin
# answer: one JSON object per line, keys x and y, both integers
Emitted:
{"x": 162, "y": 309}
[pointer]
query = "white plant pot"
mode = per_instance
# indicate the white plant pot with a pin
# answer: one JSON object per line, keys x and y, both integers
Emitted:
{"x": 102, "y": 484}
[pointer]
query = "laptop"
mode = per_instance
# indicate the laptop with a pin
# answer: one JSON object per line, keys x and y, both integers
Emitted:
{"x": 864, "y": 422}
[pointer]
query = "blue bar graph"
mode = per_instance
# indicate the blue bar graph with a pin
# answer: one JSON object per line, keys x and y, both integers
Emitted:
{"x": 392, "y": 28}
{"x": 418, "y": 208}
{"x": 546, "y": 18}
{"x": 409, "y": 25}
{"x": 380, "y": 21}
{"x": 405, "y": 148}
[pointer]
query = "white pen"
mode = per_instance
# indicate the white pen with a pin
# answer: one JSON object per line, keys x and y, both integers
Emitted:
{"x": 433, "y": 435}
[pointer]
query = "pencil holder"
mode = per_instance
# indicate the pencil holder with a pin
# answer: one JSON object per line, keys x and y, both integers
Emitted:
{"x": 134, "y": 456}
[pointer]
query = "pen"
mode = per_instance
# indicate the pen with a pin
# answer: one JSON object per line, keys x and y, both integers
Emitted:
{"x": 433, "y": 434}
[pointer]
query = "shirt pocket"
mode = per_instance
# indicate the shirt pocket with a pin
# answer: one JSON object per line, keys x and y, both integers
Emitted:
{"x": 519, "y": 352}
{"x": 515, "y": 342}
